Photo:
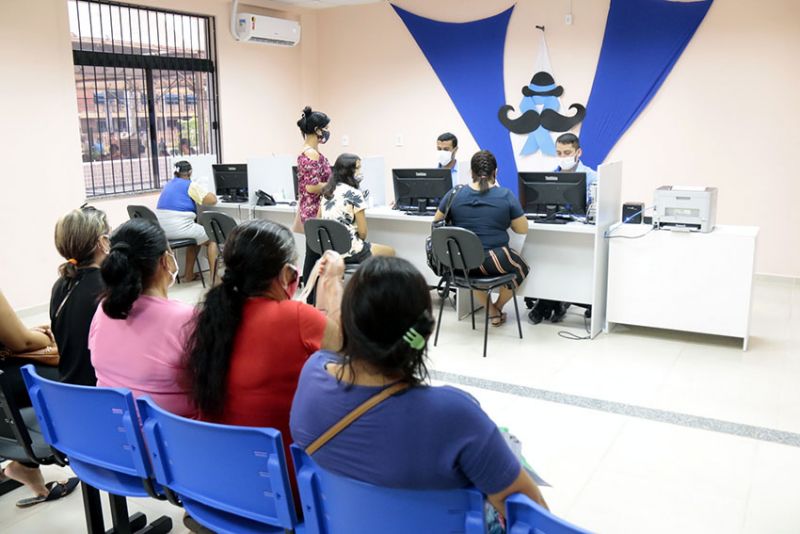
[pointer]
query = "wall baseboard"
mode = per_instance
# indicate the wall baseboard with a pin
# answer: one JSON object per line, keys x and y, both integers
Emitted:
{"x": 777, "y": 279}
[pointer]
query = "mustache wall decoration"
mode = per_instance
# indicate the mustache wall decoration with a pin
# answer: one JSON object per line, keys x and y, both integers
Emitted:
{"x": 549, "y": 119}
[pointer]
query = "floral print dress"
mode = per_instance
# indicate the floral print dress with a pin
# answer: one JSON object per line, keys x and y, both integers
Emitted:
{"x": 310, "y": 172}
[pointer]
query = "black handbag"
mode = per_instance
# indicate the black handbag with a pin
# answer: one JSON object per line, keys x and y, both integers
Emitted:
{"x": 433, "y": 261}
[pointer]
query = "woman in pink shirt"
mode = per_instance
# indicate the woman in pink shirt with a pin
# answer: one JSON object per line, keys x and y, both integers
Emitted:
{"x": 313, "y": 172}
{"x": 138, "y": 336}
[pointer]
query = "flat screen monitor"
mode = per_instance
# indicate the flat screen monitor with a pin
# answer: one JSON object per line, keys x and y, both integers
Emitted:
{"x": 420, "y": 190}
{"x": 230, "y": 181}
{"x": 294, "y": 182}
{"x": 553, "y": 197}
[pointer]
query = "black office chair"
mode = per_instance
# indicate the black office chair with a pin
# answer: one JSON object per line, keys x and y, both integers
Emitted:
{"x": 143, "y": 212}
{"x": 218, "y": 226}
{"x": 20, "y": 438}
{"x": 326, "y": 234}
{"x": 461, "y": 251}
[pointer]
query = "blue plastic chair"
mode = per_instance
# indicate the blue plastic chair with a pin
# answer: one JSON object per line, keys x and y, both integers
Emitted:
{"x": 98, "y": 431}
{"x": 334, "y": 504}
{"x": 230, "y": 479}
{"x": 523, "y": 516}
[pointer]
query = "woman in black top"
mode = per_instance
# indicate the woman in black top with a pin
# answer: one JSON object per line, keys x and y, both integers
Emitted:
{"x": 490, "y": 211}
{"x": 82, "y": 239}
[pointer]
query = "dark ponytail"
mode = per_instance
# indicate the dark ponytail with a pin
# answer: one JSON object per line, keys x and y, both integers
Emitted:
{"x": 385, "y": 299}
{"x": 484, "y": 167}
{"x": 310, "y": 120}
{"x": 255, "y": 253}
{"x": 136, "y": 248}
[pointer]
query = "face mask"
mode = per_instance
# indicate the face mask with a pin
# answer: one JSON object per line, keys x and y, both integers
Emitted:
{"x": 174, "y": 275}
{"x": 291, "y": 289}
{"x": 359, "y": 176}
{"x": 323, "y": 136}
{"x": 567, "y": 162}
{"x": 445, "y": 157}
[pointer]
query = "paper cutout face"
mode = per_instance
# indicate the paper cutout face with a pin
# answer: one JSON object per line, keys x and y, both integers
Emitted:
{"x": 540, "y": 114}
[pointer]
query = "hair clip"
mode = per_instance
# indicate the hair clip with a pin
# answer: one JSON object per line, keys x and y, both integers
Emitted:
{"x": 72, "y": 261}
{"x": 414, "y": 339}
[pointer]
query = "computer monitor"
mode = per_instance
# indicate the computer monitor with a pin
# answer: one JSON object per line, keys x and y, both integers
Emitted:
{"x": 420, "y": 190}
{"x": 553, "y": 197}
{"x": 230, "y": 181}
{"x": 294, "y": 182}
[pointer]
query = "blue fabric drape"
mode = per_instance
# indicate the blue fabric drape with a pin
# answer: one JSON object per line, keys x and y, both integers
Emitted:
{"x": 643, "y": 41}
{"x": 468, "y": 59}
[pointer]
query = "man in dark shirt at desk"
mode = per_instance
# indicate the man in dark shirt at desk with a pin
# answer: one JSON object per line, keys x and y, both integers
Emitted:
{"x": 568, "y": 151}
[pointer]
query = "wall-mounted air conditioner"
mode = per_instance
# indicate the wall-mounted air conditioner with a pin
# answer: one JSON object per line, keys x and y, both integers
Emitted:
{"x": 267, "y": 30}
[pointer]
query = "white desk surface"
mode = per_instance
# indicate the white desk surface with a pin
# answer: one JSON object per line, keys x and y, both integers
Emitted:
{"x": 387, "y": 213}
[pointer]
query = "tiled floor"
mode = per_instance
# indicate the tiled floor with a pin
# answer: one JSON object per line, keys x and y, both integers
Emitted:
{"x": 637, "y": 431}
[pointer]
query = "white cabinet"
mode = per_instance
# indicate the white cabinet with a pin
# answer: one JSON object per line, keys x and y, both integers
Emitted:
{"x": 682, "y": 281}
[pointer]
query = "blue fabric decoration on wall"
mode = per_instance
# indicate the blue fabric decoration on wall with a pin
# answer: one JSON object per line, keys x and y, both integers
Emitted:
{"x": 467, "y": 57}
{"x": 643, "y": 41}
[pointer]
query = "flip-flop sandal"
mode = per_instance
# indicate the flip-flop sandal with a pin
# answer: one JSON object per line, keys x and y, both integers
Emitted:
{"x": 56, "y": 491}
{"x": 503, "y": 316}
{"x": 194, "y": 278}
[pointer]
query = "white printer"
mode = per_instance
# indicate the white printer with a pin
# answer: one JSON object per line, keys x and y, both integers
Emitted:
{"x": 686, "y": 208}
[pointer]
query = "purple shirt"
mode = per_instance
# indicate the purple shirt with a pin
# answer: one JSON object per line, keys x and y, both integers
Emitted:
{"x": 423, "y": 438}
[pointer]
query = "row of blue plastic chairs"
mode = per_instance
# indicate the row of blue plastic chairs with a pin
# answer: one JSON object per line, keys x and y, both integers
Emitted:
{"x": 233, "y": 479}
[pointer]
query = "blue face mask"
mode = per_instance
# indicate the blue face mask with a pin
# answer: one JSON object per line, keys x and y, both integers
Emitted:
{"x": 324, "y": 136}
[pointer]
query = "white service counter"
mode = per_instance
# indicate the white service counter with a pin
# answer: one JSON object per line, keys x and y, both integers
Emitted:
{"x": 683, "y": 280}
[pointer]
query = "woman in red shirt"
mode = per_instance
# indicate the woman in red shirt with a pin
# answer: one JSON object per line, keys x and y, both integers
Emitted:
{"x": 250, "y": 338}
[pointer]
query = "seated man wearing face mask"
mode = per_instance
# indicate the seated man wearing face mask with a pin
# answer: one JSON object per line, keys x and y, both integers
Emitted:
{"x": 568, "y": 151}
{"x": 446, "y": 149}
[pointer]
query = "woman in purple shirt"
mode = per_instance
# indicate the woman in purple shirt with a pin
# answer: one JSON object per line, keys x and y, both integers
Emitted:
{"x": 424, "y": 437}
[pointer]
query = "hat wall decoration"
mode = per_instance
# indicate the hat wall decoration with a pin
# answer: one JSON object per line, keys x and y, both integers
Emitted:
{"x": 540, "y": 114}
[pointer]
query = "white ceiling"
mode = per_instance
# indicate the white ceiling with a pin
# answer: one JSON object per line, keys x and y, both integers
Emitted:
{"x": 321, "y": 4}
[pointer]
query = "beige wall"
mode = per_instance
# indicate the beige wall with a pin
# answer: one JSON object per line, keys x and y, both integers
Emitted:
{"x": 39, "y": 144}
{"x": 260, "y": 101}
{"x": 725, "y": 116}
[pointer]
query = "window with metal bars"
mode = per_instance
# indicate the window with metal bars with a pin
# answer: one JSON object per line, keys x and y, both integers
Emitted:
{"x": 147, "y": 92}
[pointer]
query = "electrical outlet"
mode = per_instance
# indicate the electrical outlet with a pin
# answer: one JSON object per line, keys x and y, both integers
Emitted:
{"x": 568, "y": 19}
{"x": 345, "y": 140}
{"x": 398, "y": 140}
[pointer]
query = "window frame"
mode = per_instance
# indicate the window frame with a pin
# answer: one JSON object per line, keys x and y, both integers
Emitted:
{"x": 86, "y": 55}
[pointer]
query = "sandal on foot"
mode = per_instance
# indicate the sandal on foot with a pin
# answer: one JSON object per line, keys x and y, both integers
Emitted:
{"x": 56, "y": 491}
{"x": 497, "y": 320}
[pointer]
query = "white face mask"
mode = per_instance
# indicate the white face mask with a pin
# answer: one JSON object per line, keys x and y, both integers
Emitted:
{"x": 174, "y": 275}
{"x": 567, "y": 163}
{"x": 444, "y": 157}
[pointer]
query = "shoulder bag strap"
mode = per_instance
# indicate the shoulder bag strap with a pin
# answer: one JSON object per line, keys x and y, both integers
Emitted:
{"x": 360, "y": 410}
{"x": 456, "y": 189}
